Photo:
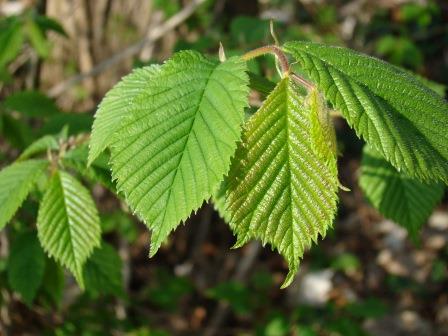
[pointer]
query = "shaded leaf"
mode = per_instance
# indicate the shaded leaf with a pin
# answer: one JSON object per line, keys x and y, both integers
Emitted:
{"x": 26, "y": 266}
{"x": 68, "y": 224}
{"x": 405, "y": 200}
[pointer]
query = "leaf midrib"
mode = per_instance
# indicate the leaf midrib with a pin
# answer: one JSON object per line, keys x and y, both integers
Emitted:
{"x": 70, "y": 224}
{"x": 158, "y": 232}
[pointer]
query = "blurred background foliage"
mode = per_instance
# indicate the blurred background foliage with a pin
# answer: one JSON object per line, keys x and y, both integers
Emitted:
{"x": 57, "y": 60}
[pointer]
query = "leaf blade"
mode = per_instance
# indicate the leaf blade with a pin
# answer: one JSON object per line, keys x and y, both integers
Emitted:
{"x": 16, "y": 181}
{"x": 406, "y": 201}
{"x": 26, "y": 266}
{"x": 275, "y": 174}
{"x": 68, "y": 223}
{"x": 386, "y": 106}
{"x": 175, "y": 149}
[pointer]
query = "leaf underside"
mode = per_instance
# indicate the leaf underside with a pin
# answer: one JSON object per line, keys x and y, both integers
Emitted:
{"x": 280, "y": 190}
{"x": 396, "y": 114}
{"x": 175, "y": 147}
{"x": 16, "y": 181}
{"x": 406, "y": 201}
{"x": 68, "y": 223}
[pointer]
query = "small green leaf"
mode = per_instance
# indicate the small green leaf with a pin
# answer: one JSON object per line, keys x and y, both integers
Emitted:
{"x": 323, "y": 134}
{"x": 31, "y": 103}
{"x": 68, "y": 224}
{"x": 219, "y": 201}
{"x": 407, "y": 201}
{"x": 26, "y": 266}
{"x": 37, "y": 39}
{"x": 392, "y": 110}
{"x": 11, "y": 41}
{"x": 102, "y": 272}
{"x": 46, "y": 23}
{"x": 16, "y": 182}
{"x": 173, "y": 151}
{"x": 41, "y": 145}
{"x": 280, "y": 190}
{"x": 98, "y": 171}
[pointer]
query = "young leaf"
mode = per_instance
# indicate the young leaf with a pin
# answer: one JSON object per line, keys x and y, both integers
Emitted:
{"x": 407, "y": 201}
{"x": 114, "y": 107}
{"x": 322, "y": 130}
{"x": 280, "y": 190}
{"x": 219, "y": 201}
{"x": 41, "y": 145}
{"x": 31, "y": 103}
{"x": 173, "y": 151}
{"x": 16, "y": 181}
{"x": 392, "y": 110}
{"x": 26, "y": 266}
{"x": 68, "y": 224}
{"x": 102, "y": 272}
{"x": 98, "y": 171}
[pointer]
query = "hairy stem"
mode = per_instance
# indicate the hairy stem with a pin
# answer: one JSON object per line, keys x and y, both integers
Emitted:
{"x": 269, "y": 49}
{"x": 282, "y": 59}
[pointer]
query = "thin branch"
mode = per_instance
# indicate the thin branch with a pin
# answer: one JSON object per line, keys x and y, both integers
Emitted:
{"x": 272, "y": 49}
{"x": 133, "y": 49}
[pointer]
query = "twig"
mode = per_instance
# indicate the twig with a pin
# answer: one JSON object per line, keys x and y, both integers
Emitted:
{"x": 133, "y": 49}
{"x": 273, "y": 49}
{"x": 222, "y": 311}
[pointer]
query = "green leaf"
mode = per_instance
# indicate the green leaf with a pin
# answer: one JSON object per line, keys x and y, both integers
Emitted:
{"x": 219, "y": 201}
{"x": 16, "y": 182}
{"x": 11, "y": 41}
{"x": 114, "y": 107}
{"x": 406, "y": 201}
{"x": 260, "y": 84}
{"x": 76, "y": 123}
{"x": 323, "y": 134}
{"x": 234, "y": 293}
{"x": 17, "y": 131}
{"x": 53, "y": 282}
{"x": 46, "y": 23}
{"x": 68, "y": 224}
{"x": 26, "y": 266}
{"x": 41, "y": 145}
{"x": 31, "y": 103}
{"x": 98, "y": 171}
{"x": 174, "y": 150}
{"x": 37, "y": 39}
{"x": 392, "y": 110}
{"x": 102, "y": 272}
{"x": 281, "y": 191}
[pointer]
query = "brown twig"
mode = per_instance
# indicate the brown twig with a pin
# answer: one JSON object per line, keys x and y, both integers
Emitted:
{"x": 269, "y": 49}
